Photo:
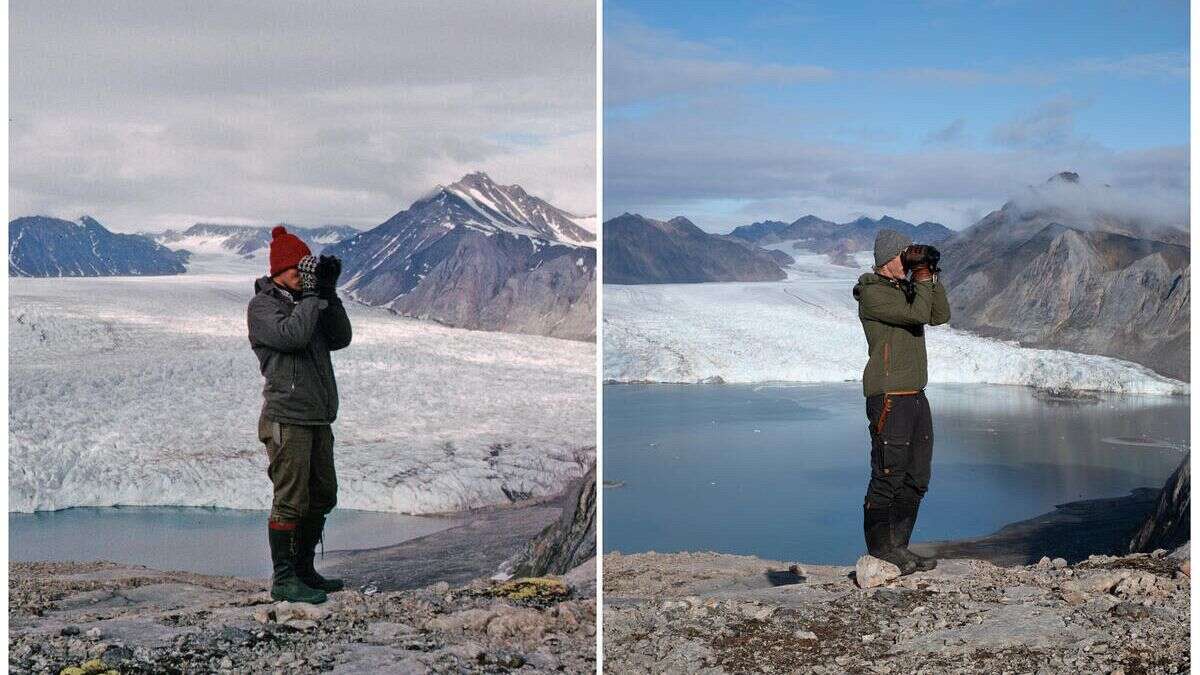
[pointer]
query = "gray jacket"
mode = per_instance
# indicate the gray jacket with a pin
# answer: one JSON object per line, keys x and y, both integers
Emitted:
{"x": 292, "y": 339}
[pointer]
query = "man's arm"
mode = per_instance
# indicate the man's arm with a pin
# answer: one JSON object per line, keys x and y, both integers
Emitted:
{"x": 270, "y": 326}
{"x": 335, "y": 324}
{"x": 940, "y": 310}
{"x": 887, "y": 304}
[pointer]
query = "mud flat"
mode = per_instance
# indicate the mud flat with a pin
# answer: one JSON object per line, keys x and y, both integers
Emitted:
{"x": 1072, "y": 531}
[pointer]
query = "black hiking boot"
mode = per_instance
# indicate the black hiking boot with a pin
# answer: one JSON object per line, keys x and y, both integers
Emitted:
{"x": 877, "y": 528}
{"x": 904, "y": 518}
{"x": 285, "y": 585}
{"x": 311, "y": 527}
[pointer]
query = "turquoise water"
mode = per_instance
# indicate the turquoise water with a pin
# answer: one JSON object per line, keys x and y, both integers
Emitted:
{"x": 205, "y": 540}
{"x": 779, "y": 471}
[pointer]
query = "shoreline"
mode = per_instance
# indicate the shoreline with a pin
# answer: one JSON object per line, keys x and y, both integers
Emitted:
{"x": 717, "y": 380}
{"x": 474, "y": 546}
{"x": 1072, "y": 531}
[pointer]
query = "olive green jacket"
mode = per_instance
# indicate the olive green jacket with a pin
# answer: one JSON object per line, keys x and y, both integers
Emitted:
{"x": 896, "y": 331}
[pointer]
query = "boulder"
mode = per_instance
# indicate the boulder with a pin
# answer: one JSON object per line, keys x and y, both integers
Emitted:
{"x": 870, "y": 572}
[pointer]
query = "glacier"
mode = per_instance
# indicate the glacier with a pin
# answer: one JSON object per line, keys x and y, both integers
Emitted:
{"x": 143, "y": 391}
{"x": 806, "y": 329}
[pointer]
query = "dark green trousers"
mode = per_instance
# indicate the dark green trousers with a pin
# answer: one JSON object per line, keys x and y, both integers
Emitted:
{"x": 301, "y": 469}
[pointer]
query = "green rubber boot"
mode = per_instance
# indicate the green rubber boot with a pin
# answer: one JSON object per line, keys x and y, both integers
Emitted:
{"x": 311, "y": 527}
{"x": 285, "y": 585}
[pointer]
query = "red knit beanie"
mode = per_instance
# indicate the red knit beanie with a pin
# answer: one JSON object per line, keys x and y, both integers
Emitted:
{"x": 286, "y": 250}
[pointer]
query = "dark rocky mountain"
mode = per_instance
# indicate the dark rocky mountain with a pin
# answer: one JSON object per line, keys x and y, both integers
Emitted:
{"x": 837, "y": 239}
{"x": 1169, "y": 525}
{"x": 639, "y": 250}
{"x": 569, "y": 541}
{"x": 248, "y": 239}
{"x": 40, "y": 246}
{"x": 1051, "y": 276}
{"x": 478, "y": 255}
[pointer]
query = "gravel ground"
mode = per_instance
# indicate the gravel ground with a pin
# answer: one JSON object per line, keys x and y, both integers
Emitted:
{"x": 714, "y": 613}
{"x": 95, "y": 616}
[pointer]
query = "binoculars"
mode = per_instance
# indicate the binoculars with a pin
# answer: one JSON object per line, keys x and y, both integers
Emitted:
{"x": 917, "y": 256}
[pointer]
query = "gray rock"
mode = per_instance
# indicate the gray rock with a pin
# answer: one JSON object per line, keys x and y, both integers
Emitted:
{"x": 870, "y": 572}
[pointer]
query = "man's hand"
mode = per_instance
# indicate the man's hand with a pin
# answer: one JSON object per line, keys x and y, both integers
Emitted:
{"x": 308, "y": 267}
{"x": 329, "y": 268}
{"x": 922, "y": 274}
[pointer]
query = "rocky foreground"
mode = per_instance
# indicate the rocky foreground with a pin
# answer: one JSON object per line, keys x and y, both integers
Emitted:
{"x": 77, "y": 618}
{"x": 715, "y": 613}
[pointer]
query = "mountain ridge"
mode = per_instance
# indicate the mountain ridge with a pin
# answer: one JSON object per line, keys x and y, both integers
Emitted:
{"x": 477, "y": 255}
{"x": 1073, "y": 278}
{"x": 818, "y": 235}
{"x": 247, "y": 240}
{"x": 44, "y": 246}
{"x": 640, "y": 250}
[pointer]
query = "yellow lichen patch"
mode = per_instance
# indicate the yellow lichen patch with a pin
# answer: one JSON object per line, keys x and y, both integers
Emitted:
{"x": 90, "y": 667}
{"x": 532, "y": 588}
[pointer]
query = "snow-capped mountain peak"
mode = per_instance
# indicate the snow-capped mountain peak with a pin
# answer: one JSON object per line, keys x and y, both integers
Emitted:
{"x": 510, "y": 208}
{"x": 480, "y": 255}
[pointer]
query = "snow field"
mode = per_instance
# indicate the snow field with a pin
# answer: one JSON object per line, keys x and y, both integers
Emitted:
{"x": 144, "y": 391}
{"x": 806, "y": 329}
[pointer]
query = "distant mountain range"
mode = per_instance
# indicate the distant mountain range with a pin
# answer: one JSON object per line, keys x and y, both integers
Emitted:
{"x": 1051, "y": 277}
{"x": 40, "y": 246}
{"x": 247, "y": 240}
{"x": 640, "y": 250}
{"x": 839, "y": 240}
{"x": 476, "y": 254}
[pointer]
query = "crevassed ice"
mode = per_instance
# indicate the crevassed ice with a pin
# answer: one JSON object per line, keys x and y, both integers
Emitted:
{"x": 806, "y": 329}
{"x": 144, "y": 391}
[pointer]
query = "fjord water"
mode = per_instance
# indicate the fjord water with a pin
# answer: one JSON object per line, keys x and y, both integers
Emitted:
{"x": 779, "y": 470}
{"x": 205, "y": 540}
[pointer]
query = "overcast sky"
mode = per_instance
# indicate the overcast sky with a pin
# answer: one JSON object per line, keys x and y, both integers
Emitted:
{"x": 160, "y": 114}
{"x": 733, "y": 112}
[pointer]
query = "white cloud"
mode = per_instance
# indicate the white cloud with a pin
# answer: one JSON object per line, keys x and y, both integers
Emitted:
{"x": 1158, "y": 64}
{"x": 306, "y": 112}
{"x": 953, "y": 132}
{"x": 1049, "y": 125}
{"x": 643, "y": 64}
{"x": 657, "y": 167}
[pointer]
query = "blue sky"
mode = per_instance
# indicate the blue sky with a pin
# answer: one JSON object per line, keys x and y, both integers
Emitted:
{"x": 729, "y": 112}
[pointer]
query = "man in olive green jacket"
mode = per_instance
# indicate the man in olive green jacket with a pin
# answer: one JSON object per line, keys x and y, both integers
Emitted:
{"x": 894, "y": 310}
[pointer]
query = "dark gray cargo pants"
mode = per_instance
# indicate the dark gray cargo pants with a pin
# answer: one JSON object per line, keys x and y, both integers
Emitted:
{"x": 901, "y": 448}
{"x": 300, "y": 468}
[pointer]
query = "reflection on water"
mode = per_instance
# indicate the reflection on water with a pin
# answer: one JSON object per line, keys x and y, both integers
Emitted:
{"x": 210, "y": 541}
{"x": 779, "y": 471}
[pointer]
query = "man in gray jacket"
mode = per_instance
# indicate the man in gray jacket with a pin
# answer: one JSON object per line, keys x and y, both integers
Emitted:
{"x": 295, "y": 320}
